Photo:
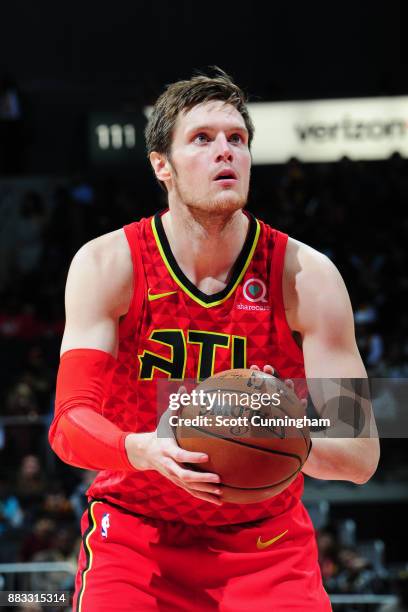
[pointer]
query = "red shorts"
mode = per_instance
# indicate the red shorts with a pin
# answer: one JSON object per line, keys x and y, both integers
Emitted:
{"x": 130, "y": 562}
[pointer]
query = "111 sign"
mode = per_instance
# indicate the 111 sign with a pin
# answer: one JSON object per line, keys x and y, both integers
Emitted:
{"x": 116, "y": 136}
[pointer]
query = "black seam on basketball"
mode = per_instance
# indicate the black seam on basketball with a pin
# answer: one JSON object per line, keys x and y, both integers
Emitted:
{"x": 269, "y": 486}
{"x": 306, "y": 440}
{"x": 260, "y": 448}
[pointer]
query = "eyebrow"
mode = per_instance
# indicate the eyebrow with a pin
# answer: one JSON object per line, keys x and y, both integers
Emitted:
{"x": 233, "y": 128}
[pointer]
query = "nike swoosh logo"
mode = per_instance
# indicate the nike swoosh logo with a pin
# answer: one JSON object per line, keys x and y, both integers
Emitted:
{"x": 261, "y": 545}
{"x": 156, "y": 296}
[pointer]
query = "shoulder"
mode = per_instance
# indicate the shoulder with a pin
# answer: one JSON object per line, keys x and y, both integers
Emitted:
{"x": 304, "y": 263}
{"x": 312, "y": 286}
{"x": 108, "y": 250}
{"x": 104, "y": 268}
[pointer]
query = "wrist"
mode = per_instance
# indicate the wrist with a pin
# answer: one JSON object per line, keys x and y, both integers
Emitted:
{"x": 136, "y": 447}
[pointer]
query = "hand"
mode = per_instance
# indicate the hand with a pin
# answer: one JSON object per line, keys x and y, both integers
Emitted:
{"x": 268, "y": 369}
{"x": 158, "y": 450}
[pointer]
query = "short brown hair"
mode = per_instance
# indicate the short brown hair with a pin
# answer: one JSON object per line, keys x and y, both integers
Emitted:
{"x": 183, "y": 96}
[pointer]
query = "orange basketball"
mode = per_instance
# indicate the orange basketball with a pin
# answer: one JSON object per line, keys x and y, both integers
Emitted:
{"x": 256, "y": 445}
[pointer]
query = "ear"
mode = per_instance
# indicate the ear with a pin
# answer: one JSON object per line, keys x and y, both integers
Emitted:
{"x": 161, "y": 166}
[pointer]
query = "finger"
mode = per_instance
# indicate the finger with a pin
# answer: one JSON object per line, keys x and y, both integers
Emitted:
{"x": 289, "y": 383}
{"x": 268, "y": 369}
{"x": 171, "y": 411}
{"x": 304, "y": 403}
{"x": 189, "y": 476}
{"x": 205, "y": 488}
{"x": 183, "y": 456}
{"x": 164, "y": 430}
{"x": 254, "y": 367}
{"x": 202, "y": 487}
{"x": 186, "y": 475}
{"x": 213, "y": 499}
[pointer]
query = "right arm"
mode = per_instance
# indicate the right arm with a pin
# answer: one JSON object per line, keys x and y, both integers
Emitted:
{"x": 98, "y": 293}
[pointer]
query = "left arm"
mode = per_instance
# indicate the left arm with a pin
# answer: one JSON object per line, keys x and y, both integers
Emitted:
{"x": 319, "y": 309}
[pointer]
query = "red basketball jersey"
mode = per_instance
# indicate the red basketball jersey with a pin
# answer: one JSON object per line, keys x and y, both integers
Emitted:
{"x": 174, "y": 331}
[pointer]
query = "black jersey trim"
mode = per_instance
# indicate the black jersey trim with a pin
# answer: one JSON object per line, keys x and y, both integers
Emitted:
{"x": 238, "y": 271}
{"x": 88, "y": 553}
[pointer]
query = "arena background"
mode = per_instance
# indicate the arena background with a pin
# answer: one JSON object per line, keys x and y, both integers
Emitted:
{"x": 67, "y": 69}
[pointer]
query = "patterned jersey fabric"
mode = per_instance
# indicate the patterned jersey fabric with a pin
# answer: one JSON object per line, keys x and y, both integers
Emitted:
{"x": 174, "y": 331}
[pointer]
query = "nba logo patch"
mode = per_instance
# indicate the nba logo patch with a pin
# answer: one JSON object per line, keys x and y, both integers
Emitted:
{"x": 105, "y": 524}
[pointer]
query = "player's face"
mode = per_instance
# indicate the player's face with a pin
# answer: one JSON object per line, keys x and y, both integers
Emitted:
{"x": 210, "y": 159}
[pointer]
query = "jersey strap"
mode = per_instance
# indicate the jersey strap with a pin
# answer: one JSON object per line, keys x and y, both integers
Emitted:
{"x": 139, "y": 280}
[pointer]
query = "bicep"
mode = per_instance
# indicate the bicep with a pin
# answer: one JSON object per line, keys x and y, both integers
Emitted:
{"x": 329, "y": 347}
{"x": 92, "y": 304}
{"x": 326, "y": 322}
{"x": 100, "y": 333}
{"x": 334, "y": 369}
{"x": 338, "y": 385}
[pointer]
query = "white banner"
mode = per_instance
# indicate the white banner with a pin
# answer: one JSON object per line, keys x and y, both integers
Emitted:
{"x": 326, "y": 130}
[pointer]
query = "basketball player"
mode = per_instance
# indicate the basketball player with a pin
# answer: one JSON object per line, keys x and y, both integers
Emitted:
{"x": 175, "y": 296}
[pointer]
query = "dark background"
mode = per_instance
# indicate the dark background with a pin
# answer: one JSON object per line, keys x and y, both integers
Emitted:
{"x": 69, "y": 60}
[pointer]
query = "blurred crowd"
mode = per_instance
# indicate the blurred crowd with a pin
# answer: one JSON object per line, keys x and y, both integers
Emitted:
{"x": 349, "y": 569}
{"x": 352, "y": 211}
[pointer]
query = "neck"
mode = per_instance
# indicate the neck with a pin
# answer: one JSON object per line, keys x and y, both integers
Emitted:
{"x": 205, "y": 244}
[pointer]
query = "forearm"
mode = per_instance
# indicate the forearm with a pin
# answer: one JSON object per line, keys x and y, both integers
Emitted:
{"x": 83, "y": 438}
{"x": 79, "y": 434}
{"x": 353, "y": 459}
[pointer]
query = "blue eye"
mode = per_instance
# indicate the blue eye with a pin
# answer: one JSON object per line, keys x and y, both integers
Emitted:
{"x": 201, "y": 138}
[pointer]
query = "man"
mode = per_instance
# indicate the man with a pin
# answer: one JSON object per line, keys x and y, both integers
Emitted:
{"x": 170, "y": 297}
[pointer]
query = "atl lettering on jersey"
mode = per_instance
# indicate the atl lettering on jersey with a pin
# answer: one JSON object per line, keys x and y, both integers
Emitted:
{"x": 175, "y": 331}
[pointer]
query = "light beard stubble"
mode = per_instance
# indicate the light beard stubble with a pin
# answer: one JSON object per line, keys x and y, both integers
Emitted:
{"x": 222, "y": 206}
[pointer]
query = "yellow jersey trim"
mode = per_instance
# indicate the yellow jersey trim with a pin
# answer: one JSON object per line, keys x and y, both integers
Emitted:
{"x": 89, "y": 554}
{"x": 174, "y": 276}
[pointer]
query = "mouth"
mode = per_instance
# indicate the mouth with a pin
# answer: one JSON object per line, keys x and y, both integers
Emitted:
{"x": 226, "y": 176}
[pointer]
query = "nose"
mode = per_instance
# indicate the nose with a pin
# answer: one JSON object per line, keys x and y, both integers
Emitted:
{"x": 223, "y": 149}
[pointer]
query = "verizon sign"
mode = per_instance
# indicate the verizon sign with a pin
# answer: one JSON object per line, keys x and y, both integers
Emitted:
{"x": 326, "y": 130}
